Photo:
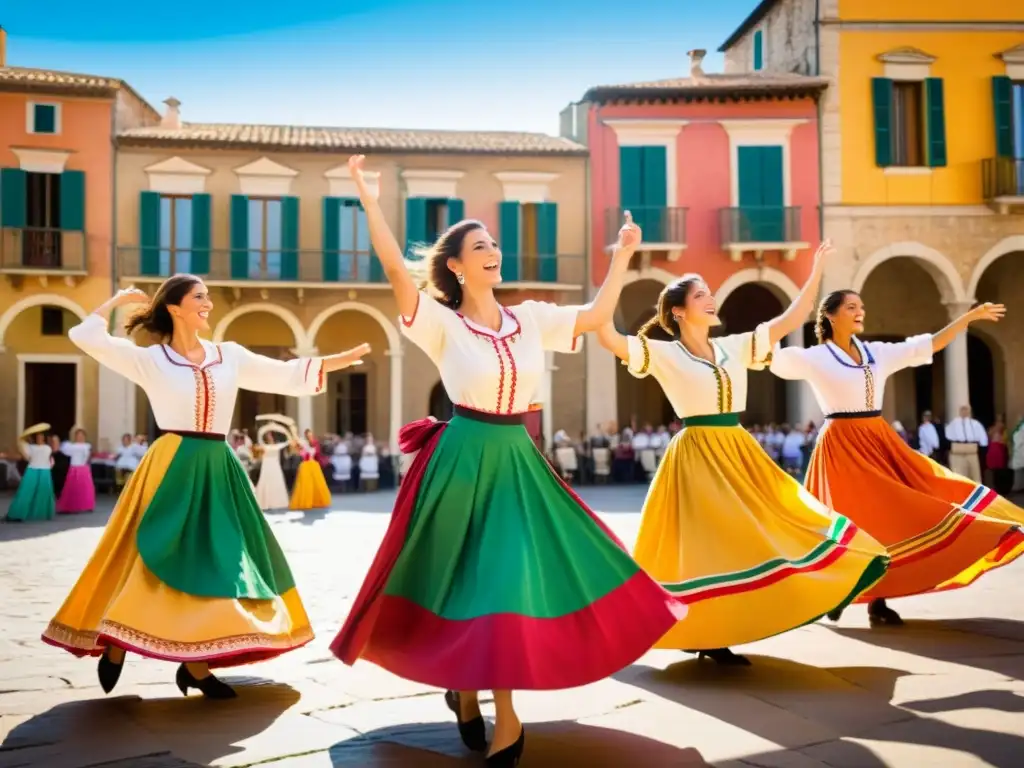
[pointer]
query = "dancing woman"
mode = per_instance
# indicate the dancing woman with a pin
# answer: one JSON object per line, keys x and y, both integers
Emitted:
{"x": 34, "y": 498}
{"x": 723, "y": 526}
{"x": 493, "y": 574}
{"x": 942, "y": 530}
{"x": 187, "y": 569}
{"x": 271, "y": 489}
{"x": 310, "y": 490}
{"x": 79, "y": 491}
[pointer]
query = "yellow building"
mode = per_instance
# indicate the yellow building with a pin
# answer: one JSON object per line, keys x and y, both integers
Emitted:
{"x": 922, "y": 174}
{"x": 270, "y": 218}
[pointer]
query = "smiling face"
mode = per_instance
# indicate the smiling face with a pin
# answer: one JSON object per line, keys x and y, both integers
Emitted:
{"x": 848, "y": 318}
{"x": 194, "y": 310}
{"x": 479, "y": 260}
{"x": 699, "y": 309}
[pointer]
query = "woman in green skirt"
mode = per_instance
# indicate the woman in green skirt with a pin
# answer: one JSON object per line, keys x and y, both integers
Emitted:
{"x": 34, "y": 499}
{"x": 493, "y": 574}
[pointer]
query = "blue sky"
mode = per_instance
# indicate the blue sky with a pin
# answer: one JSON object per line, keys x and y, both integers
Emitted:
{"x": 392, "y": 63}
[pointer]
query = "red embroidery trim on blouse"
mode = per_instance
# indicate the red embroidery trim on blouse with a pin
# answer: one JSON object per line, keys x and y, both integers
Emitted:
{"x": 495, "y": 339}
{"x": 205, "y": 404}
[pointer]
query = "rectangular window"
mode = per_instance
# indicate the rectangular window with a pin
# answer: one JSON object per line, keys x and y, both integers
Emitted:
{"x": 265, "y": 238}
{"x": 530, "y": 247}
{"x": 437, "y": 218}
{"x": 353, "y": 243}
{"x": 908, "y": 132}
{"x": 352, "y": 402}
{"x": 43, "y": 118}
{"x": 758, "y": 50}
{"x": 52, "y": 321}
{"x": 175, "y": 234}
{"x": 42, "y": 241}
{"x": 1017, "y": 94}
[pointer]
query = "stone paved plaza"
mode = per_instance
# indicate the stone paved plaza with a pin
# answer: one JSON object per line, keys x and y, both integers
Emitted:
{"x": 946, "y": 690}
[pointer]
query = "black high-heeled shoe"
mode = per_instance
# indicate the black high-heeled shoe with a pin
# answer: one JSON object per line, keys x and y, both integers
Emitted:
{"x": 211, "y": 687}
{"x": 835, "y": 615}
{"x": 473, "y": 732}
{"x": 725, "y": 657}
{"x": 882, "y": 614}
{"x": 108, "y": 672}
{"x": 510, "y": 756}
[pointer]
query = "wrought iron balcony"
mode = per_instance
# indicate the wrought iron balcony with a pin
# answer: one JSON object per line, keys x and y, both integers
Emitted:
{"x": 1002, "y": 182}
{"x": 663, "y": 228}
{"x": 761, "y": 228}
{"x": 43, "y": 251}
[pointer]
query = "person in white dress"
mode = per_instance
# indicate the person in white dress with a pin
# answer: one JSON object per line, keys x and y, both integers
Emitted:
{"x": 942, "y": 530}
{"x": 187, "y": 570}
{"x": 34, "y": 500}
{"x": 271, "y": 489}
{"x": 126, "y": 460}
{"x": 462, "y": 592}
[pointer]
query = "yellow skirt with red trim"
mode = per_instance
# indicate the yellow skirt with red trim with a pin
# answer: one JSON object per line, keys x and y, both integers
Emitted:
{"x": 942, "y": 530}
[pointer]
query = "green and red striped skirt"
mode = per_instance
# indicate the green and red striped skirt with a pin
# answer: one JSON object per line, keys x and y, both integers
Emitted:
{"x": 494, "y": 575}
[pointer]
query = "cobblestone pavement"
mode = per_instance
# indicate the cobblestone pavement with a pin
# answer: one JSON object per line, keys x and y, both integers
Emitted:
{"x": 946, "y": 690}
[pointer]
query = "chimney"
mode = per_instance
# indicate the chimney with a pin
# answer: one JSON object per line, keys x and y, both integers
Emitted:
{"x": 3, "y": 47}
{"x": 172, "y": 117}
{"x": 696, "y": 57}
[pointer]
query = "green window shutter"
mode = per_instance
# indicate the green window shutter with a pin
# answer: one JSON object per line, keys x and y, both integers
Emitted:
{"x": 758, "y": 50}
{"x": 13, "y": 194}
{"x": 631, "y": 164}
{"x": 149, "y": 233}
{"x": 1002, "y": 104}
{"x": 72, "y": 201}
{"x": 415, "y": 223}
{"x": 654, "y": 193}
{"x": 547, "y": 241}
{"x": 289, "y": 238}
{"x": 239, "y": 237}
{"x": 935, "y": 122}
{"x": 761, "y": 194}
{"x": 332, "y": 233}
{"x": 508, "y": 222}
{"x": 881, "y": 97}
{"x": 456, "y": 210}
{"x": 44, "y": 118}
{"x": 202, "y": 233}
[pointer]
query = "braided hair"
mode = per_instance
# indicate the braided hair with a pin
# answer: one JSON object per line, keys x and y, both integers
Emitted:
{"x": 829, "y": 306}
{"x": 672, "y": 295}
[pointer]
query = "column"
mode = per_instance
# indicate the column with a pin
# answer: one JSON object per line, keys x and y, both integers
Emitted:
{"x": 115, "y": 407}
{"x": 958, "y": 391}
{"x": 602, "y": 386}
{"x": 801, "y": 407}
{"x": 395, "y": 356}
{"x": 304, "y": 405}
{"x": 547, "y": 415}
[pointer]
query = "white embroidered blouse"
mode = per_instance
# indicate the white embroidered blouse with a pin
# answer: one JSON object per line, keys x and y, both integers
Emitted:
{"x": 695, "y": 386}
{"x": 78, "y": 453}
{"x": 487, "y": 371}
{"x": 38, "y": 456}
{"x": 196, "y": 398}
{"x": 842, "y": 386}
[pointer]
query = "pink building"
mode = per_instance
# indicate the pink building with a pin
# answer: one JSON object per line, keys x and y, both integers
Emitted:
{"x": 721, "y": 172}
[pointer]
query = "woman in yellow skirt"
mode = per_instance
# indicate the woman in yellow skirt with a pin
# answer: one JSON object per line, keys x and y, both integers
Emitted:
{"x": 187, "y": 569}
{"x": 724, "y": 527}
{"x": 942, "y": 530}
{"x": 310, "y": 490}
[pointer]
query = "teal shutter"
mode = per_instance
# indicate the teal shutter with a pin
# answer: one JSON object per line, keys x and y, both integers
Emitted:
{"x": 1002, "y": 104}
{"x": 631, "y": 188}
{"x": 415, "y": 223}
{"x": 761, "y": 195}
{"x": 289, "y": 238}
{"x": 72, "y": 201}
{"x": 149, "y": 233}
{"x": 13, "y": 194}
{"x": 202, "y": 233}
{"x": 655, "y": 194}
{"x": 881, "y": 97}
{"x": 935, "y": 122}
{"x": 508, "y": 218}
{"x": 758, "y": 50}
{"x": 332, "y": 233}
{"x": 239, "y": 237}
{"x": 456, "y": 210}
{"x": 547, "y": 241}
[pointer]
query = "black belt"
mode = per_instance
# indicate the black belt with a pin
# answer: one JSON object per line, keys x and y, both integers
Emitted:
{"x": 854, "y": 415}
{"x": 488, "y": 417}
{"x": 197, "y": 435}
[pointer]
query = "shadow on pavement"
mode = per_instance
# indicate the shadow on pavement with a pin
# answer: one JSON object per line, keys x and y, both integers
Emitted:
{"x": 19, "y": 531}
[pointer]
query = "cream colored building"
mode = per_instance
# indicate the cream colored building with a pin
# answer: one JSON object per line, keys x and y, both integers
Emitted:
{"x": 269, "y": 217}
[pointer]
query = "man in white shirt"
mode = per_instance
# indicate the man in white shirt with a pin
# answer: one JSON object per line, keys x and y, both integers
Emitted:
{"x": 927, "y": 435}
{"x": 966, "y": 436}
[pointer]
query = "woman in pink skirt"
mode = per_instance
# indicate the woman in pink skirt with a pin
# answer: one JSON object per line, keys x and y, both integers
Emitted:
{"x": 79, "y": 493}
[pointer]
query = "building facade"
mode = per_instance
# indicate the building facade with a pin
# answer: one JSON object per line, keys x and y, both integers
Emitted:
{"x": 270, "y": 218}
{"x": 56, "y": 214}
{"x": 923, "y": 175}
{"x": 721, "y": 173}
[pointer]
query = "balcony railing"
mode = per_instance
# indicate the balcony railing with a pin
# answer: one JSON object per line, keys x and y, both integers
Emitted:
{"x": 43, "y": 250}
{"x": 1002, "y": 177}
{"x": 760, "y": 225}
{"x": 659, "y": 224}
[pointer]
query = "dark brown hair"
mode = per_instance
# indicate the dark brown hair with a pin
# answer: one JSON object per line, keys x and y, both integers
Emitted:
{"x": 672, "y": 295}
{"x": 440, "y": 281}
{"x": 156, "y": 319}
{"x": 829, "y": 306}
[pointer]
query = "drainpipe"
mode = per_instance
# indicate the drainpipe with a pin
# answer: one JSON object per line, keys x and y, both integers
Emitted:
{"x": 587, "y": 242}
{"x": 113, "y": 207}
{"x": 821, "y": 116}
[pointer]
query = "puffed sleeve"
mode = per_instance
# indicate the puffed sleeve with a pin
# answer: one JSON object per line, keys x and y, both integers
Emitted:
{"x": 120, "y": 355}
{"x": 790, "y": 363}
{"x": 646, "y": 355}
{"x": 294, "y": 378}
{"x": 426, "y": 327}
{"x": 557, "y": 325}
{"x": 895, "y": 356}
{"x": 752, "y": 347}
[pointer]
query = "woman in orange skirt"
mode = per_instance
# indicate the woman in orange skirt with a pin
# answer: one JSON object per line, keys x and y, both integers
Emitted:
{"x": 942, "y": 530}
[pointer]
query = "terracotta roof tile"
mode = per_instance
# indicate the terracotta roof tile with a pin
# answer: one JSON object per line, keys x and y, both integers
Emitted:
{"x": 352, "y": 139}
{"x": 51, "y": 80}
{"x": 711, "y": 85}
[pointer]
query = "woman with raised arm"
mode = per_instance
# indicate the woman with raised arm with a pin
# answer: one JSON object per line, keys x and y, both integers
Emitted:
{"x": 942, "y": 531}
{"x": 723, "y": 526}
{"x": 187, "y": 569}
{"x": 493, "y": 574}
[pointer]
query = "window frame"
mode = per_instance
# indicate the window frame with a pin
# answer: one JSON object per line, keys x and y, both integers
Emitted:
{"x": 30, "y": 118}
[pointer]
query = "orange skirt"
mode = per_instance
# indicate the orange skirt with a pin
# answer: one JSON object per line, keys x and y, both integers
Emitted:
{"x": 942, "y": 530}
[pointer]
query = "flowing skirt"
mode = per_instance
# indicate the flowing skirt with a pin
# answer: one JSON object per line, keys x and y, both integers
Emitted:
{"x": 310, "y": 490}
{"x": 34, "y": 497}
{"x": 187, "y": 568}
{"x": 942, "y": 530}
{"x": 743, "y": 544}
{"x": 494, "y": 575}
{"x": 271, "y": 490}
{"x": 79, "y": 492}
